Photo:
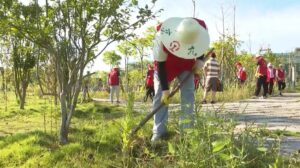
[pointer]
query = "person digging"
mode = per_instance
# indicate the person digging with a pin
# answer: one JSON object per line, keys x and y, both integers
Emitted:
{"x": 179, "y": 48}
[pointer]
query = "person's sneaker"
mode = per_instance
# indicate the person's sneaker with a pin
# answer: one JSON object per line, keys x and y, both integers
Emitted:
{"x": 264, "y": 97}
{"x": 203, "y": 102}
{"x": 212, "y": 102}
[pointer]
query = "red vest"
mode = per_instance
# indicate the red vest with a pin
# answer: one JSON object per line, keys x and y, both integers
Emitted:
{"x": 262, "y": 68}
{"x": 175, "y": 66}
{"x": 113, "y": 77}
{"x": 242, "y": 74}
{"x": 281, "y": 73}
{"x": 149, "y": 79}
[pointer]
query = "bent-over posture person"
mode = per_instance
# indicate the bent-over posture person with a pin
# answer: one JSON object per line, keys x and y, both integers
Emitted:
{"x": 178, "y": 51}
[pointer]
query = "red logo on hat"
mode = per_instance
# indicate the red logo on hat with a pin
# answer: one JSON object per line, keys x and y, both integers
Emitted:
{"x": 174, "y": 46}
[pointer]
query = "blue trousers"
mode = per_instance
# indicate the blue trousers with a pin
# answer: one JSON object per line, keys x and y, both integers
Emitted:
{"x": 187, "y": 104}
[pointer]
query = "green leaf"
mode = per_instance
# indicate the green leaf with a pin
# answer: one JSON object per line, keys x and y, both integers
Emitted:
{"x": 225, "y": 156}
{"x": 171, "y": 148}
{"x": 219, "y": 145}
{"x": 14, "y": 30}
{"x": 262, "y": 149}
{"x": 134, "y": 2}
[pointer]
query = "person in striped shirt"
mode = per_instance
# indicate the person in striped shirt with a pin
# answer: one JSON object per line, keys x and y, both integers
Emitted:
{"x": 212, "y": 73}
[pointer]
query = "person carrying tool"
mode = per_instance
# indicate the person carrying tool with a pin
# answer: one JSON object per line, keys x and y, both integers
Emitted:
{"x": 178, "y": 51}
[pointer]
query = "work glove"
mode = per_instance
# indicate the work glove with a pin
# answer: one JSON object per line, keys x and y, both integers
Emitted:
{"x": 165, "y": 97}
{"x": 197, "y": 68}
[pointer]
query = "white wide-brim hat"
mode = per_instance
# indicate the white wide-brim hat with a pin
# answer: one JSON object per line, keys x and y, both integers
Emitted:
{"x": 176, "y": 34}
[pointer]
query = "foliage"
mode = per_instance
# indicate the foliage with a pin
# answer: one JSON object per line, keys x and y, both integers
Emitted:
{"x": 74, "y": 32}
{"x": 23, "y": 60}
{"x": 111, "y": 58}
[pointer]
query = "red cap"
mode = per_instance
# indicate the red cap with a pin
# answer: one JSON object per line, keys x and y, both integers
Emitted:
{"x": 238, "y": 63}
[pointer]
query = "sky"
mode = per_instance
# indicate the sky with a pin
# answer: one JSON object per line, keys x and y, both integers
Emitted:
{"x": 271, "y": 24}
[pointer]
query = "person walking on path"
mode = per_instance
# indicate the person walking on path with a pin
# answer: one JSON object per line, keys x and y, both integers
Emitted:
{"x": 212, "y": 73}
{"x": 149, "y": 83}
{"x": 114, "y": 83}
{"x": 261, "y": 74}
{"x": 179, "y": 47}
{"x": 271, "y": 78}
{"x": 241, "y": 73}
{"x": 280, "y": 77}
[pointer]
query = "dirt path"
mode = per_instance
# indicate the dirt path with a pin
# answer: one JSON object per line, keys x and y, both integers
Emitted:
{"x": 273, "y": 113}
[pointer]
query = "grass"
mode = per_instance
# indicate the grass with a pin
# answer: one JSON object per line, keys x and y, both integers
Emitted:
{"x": 28, "y": 138}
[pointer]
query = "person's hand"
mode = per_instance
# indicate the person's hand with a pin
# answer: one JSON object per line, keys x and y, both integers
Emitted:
{"x": 197, "y": 68}
{"x": 165, "y": 97}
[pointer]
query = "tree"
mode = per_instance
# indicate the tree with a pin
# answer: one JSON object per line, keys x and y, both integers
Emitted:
{"x": 137, "y": 46}
{"x": 227, "y": 61}
{"x": 111, "y": 58}
{"x": 126, "y": 49}
{"x": 2, "y": 76}
{"x": 75, "y": 32}
{"x": 23, "y": 62}
{"x": 143, "y": 43}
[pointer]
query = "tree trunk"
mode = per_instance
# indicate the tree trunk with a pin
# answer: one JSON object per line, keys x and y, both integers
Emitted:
{"x": 63, "y": 137}
{"x": 22, "y": 102}
{"x": 23, "y": 95}
{"x": 142, "y": 65}
{"x": 3, "y": 83}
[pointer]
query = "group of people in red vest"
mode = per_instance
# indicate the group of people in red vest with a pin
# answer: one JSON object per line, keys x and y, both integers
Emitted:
{"x": 266, "y": 74}
{"x": 114, "y": 83}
